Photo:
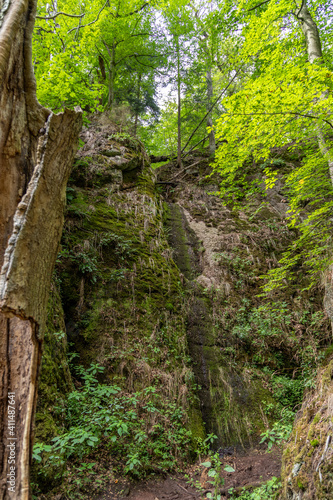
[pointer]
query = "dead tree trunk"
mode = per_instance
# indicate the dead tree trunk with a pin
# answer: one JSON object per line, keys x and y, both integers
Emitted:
{"x": 36, "y": 152}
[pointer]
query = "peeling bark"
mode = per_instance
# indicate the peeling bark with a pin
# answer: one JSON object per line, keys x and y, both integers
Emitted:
{"x": 36, "y": 153}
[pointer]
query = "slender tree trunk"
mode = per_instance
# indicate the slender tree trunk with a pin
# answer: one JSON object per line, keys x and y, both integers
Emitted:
{"x": 138, "y": 93}
{"x": 311, "y": 33}
{"x": 211, "y": 135}
{"x": 101, "y": 64}
{"x": 112, "y": 73}
{"x": 315, "y": 55}
{"x": 179, "y": 108}
{"x": 36, "y": 152}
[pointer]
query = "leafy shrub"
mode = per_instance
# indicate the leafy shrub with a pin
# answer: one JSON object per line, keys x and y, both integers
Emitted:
{"x": 279, "y": 433}
{"x": 143, "y": 431}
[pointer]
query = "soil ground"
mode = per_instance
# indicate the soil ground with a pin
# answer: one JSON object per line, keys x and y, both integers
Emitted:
{"x": 251, "y": 469}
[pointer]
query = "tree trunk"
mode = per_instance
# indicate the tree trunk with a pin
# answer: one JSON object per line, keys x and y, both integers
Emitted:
{"x": 315, "y": 55}
{"x": 211, "y": 135}
{"x": 179, "y": 109}
{"x": 311, "y": 34}
{"x": 36, "y": 152}
{"x": 138, "y": 93}
{"x": 112, "y": 73}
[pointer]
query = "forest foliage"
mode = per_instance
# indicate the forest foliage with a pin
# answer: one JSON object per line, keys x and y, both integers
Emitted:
{"x": 235, "y": 75}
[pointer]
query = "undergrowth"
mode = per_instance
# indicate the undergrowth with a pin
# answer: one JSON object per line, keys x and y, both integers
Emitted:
{"x": 140, "y": 433}
{"x": 267, "y": 491}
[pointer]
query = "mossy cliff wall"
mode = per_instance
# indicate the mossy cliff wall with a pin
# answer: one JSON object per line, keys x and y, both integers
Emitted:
{"x": 245, "y": 349}
{"x": 307, "y": 466}
{"x": 122, "y": 292}
{"x": 230, "y": 406}
{"x": 123, "y": 300}
{"x": 307, "y": 462}
{"x": 160, "y": 287}
{"x": 55, "y": 380}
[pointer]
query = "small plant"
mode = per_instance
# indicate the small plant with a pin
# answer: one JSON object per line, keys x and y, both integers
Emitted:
{"x": 204, "y": 445}
{"x": 214, "y": 472}
{"x": 280, "y": 432}
{"x": 59, "y": 335}
{"x": 38, "y": 450}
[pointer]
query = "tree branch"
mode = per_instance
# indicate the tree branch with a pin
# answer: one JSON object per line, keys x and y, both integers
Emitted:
{"x": 295, "y": 113}
{"x": 92, "y": 22}
{"x": 59, "y": 14}
{"x": 259, "y": 5}
{"x": 135, "y": 11}
{"x": 300, "y": 10}
{"x": 212, "y": 106}
{"x": 195, "y": 145}
{"x": 138, "y": 55}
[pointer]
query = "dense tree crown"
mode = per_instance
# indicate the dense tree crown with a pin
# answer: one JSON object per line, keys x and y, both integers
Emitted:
{"x": 248, "y": 76}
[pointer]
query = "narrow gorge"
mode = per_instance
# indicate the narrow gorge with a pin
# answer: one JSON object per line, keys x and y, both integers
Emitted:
{"x": 166, "y": 281}
{"x": 160, "y": 345}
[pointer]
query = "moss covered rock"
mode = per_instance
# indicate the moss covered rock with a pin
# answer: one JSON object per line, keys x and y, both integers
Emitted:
{"x": 308, "y": 456}
{"x": 250, "y": 354}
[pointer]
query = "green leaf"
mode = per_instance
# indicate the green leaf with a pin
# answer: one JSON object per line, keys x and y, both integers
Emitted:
{"x": 228, "y": 468}
{"x": 212, "y": 473}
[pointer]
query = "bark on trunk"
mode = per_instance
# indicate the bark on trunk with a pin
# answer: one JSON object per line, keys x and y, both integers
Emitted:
{"x": 315, "y": 55}
{"x": 138, "y": 93}
{"x": 211, "y": 135}
{"x": 112, "y": 73}
{"x": 36, "y": 152}
{"x": 179, "y": 108}
{"x": 311, "y": 34}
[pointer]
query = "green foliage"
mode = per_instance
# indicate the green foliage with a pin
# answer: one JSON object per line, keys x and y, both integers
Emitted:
{"x": 268, "y": 491}
{"x": 285, "y": 101}
{"x": 279, "y": 433}
{"x": 142, "y": 431}
{"x": 204, "y": 445}
{"x": 273, "y": 333}
{"x": 39, "y": 449}
{"x": 98, "y": 54}
{"x": 214, "y": 467}
{"x": 88, "y": 259}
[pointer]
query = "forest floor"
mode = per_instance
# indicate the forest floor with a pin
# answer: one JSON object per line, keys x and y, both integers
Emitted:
{"x": 252, "y": 468}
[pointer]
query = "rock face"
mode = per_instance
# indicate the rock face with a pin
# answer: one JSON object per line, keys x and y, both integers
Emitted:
{"x": 159, "y": 285}
{"x": 108, "y": 156}
{"x": 237, "y": 340}
{"x": 307, "y": 463}
{"x": 308, "y": 456}
{"x": 230, "y": 403}
{"x": 123, "y": 308}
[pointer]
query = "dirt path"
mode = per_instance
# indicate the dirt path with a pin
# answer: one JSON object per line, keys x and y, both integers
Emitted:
{"x": 251, "y": 469}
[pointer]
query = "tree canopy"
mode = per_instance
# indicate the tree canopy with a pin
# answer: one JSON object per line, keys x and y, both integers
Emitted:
{"x": 249, "y": 75}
